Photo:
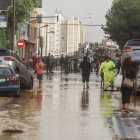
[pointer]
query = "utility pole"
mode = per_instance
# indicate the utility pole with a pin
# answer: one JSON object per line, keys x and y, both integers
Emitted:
{"x": 40, "y": 44}
{"x": 14, "y": 25}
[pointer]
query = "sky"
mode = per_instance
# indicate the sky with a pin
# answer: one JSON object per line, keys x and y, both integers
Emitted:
{"x": 96, "y": 9}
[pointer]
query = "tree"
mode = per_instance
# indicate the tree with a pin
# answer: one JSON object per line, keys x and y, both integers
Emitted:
{"x": 123, "y": 21}
{"x": 23, "y": 9}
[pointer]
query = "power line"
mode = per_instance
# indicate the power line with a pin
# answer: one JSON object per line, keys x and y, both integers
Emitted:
{"x": 100, "y": 25}
{"x": 45, "y": 17}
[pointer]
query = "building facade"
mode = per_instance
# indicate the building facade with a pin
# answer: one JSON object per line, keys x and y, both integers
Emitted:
{"x": 28, "y": 33}
{"x": 68, "y": 33}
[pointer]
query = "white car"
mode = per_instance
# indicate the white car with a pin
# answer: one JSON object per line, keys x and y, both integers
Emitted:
{"x": 132, "y": 49}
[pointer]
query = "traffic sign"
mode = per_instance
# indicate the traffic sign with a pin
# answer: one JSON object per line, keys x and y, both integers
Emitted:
{"x": 20, "y": 43}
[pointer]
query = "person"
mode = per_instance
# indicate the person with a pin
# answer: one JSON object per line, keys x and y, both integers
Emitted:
{"x": 66, "y": 64}
{"x": 129, "y": 70}
{"x": 48, "y": 63}
{"x": 102, "y": 74}
{"x": 39, "y": 71}
{"x": 62, "y": 62}
{"x": 86, "y": 68}
{"x": 71, "y": 63}
{"x": 85, "y": 100}
{"x": 51, "y": 63}
{"x": 117, "y": 61}
{"x": 34, "y": 59}
{"x": 75, "y": 65}
{"x": 96, "y": 63}
{"x": 107, "y": 68}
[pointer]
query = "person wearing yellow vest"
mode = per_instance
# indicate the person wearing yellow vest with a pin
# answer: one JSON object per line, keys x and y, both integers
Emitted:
{"x": 107, "y": 68}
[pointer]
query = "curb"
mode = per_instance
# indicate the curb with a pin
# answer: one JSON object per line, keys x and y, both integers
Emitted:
{"x": 126, "y": 128}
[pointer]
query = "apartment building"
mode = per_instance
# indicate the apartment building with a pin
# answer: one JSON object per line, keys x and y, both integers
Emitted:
{"x": 73, "y": 35}
{"x": 68, "y": 33}
{"x": 53, "y": 34}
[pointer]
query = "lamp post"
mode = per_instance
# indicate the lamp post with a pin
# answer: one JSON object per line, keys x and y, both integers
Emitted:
{"x": 47, "y": 39}
{"x": 39, "y": 21}
{"x": 41, "y": 40}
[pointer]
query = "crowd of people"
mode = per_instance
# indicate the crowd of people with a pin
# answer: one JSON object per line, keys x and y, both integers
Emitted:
{"x": 102, "y": 66}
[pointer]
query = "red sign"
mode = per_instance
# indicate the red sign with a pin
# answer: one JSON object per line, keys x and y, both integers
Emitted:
{"x": 20, "y": 43}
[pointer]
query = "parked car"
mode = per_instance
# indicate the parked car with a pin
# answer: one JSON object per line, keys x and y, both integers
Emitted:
{"x": 9, "y": 57}
{"x": 131, "y": 49}
{"x": 9, "y": 82}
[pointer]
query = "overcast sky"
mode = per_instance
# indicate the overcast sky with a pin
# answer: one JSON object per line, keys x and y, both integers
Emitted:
{"x": 82, "y": 8}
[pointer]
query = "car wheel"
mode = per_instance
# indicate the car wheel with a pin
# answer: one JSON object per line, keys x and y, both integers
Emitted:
{"x": 31, "y": 83}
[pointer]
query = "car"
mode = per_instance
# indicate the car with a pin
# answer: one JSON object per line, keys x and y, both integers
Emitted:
{"x": 131, "y": 49}
{"x": 9, "y": 57}
{"x": 9, "y": 82}
{"x": 112, "y": 47}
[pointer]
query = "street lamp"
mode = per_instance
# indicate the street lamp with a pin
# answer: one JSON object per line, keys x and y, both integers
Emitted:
{"x": 41, "y": 39}
{"x": 39, "y": 21}
{"x": 47, "y": 39}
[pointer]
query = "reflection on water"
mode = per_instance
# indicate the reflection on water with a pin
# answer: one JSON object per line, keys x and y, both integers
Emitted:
{"x": 85, "y": 100}
{"x": 66, "y": 79}
{"x": 60, "y": 111}
{"x": 49, "y": 76}
{"x": 106, "y": 105}
{"x": 65, "y": 84}
{"x": 38, "y": 97}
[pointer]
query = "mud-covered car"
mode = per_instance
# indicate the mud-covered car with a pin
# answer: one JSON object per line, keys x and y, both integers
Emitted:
{"x": 9, "y": 82}
{"x": 8, "y": 57}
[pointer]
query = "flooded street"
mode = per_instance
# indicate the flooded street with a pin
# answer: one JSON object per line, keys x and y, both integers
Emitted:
{"x": 61, "y": 111}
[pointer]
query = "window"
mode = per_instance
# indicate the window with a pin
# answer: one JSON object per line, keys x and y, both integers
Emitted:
{"x": 5, "y": 71}
{"x": 133, "y": 43}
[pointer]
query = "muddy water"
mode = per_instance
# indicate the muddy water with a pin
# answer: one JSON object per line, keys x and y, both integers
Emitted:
{"x": 62, "y": 110}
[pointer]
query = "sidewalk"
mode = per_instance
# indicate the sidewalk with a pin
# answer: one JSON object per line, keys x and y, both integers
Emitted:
{"x": 127, "y": 126}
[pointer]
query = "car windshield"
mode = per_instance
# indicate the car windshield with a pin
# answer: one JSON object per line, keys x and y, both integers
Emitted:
{"x": 133, "y": 43}
{"x": 6, "y": 71}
